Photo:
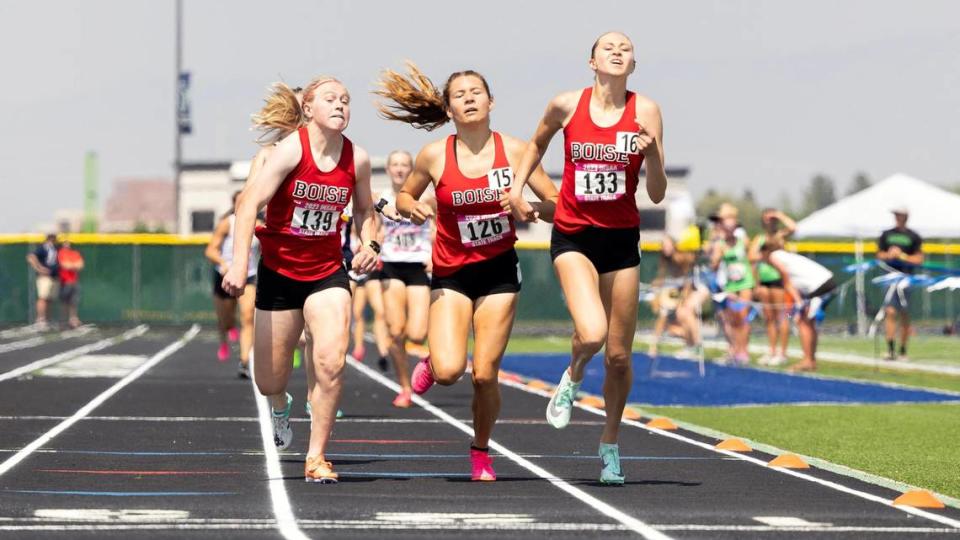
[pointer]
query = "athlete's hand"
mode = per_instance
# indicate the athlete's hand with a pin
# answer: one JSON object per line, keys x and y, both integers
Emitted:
{"x": 647, "y": 144}
{"x": 364, "y": 261}
{"x": 234, "y": 280}
{"x": 421, "y": 213}
{"x": 390, "y": 212}
{"x": 522, "y": 210}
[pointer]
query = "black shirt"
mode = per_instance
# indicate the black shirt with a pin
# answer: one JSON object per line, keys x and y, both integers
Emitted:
{"x": 46, "y": 255}
{"x": 907, "y": 240}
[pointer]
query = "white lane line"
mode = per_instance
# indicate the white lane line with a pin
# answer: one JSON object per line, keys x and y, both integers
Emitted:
{"x": 286, "y": 522}
{"x": 39, "y": 340}
{"x": 97, "y": 401}
{"x": 826, "y": 483}
{"x": 19, "y": 331}
{"x": 73, "y": 353}
{"x": 630, "y": 522}
{"x": 347, "y": 420}
{"x": 332, "y": 524}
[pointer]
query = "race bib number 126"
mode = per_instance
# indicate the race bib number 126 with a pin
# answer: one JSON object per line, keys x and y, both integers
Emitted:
{"x": 482, "y": 230}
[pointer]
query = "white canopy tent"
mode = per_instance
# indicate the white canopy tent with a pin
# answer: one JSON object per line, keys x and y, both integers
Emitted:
{"x": 934, "y": 213}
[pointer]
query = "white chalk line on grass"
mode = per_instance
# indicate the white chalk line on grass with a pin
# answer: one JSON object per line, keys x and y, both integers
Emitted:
{"x": 628, "y": 521}
{"x": 73, "y": 353}
{"x": 826, "y": 483}
{"x": 286, "y": 522}
{"x": 13, "y": 460}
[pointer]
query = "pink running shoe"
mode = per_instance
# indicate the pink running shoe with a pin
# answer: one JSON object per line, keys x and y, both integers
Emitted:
{"x": 223, "y": 352}
{"x": 482, "y": 466}
{"x": 359, "y": 351}
{"x": 422, "y": 378}
{"x": 233, "y": 334}
{"x": 402, "y": 400}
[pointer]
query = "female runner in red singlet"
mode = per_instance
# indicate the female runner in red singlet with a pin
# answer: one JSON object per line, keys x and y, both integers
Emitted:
{"x": 608, "y": 132}
{"x": 476, "y": 275}
{"x": 305, "y": 185}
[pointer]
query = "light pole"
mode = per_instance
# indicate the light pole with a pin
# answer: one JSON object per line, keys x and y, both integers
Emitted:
{"x": 179, "y": 103}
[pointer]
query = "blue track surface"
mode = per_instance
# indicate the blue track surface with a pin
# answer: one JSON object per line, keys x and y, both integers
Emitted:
{"x": 677, "y": 382}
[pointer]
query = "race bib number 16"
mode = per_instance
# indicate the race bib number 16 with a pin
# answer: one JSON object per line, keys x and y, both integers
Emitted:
{"x": 599, "y": 182}
{"x": 627, "y": 142}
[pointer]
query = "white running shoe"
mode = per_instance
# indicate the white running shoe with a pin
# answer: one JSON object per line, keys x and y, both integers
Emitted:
{"x": 561, "y": 404}
{"x": 282, "y": 433}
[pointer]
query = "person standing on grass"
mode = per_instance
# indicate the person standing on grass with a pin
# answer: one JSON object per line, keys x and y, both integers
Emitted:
{"x": 901, "y": 249}
{"x": 45, "y": 263}
{"x": 811, "y": 286}
{"x": 71, "y": 264}
{"x": 609, "y": 132}
{"x": 729, "y": 249}
{"x": 769, "y": 288}
{"x": 307, "y": 182}
{"x": 476, "y": 272}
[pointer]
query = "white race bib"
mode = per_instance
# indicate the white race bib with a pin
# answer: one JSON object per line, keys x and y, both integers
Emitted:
{"x": 314, "y": 222}
{"x": 501, "y": 178}
{"x": 627, "y": 142}
{"x": 482, "y": 230}
{"x": 599, "y": 182}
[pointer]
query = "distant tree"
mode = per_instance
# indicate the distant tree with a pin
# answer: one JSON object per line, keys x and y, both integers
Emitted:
{"x": 819, "y": 194}
{"x": 140, "y": 227}
{"x": 746, "y": 204}
{"x": 860, "y": 182}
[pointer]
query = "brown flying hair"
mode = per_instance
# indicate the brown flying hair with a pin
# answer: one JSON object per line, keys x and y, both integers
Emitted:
{"x": 416, "y": 100}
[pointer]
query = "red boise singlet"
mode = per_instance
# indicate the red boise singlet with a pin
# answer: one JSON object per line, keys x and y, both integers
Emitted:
{"x": 301, "y": 237}
{"x": 601, "y": 171}
{"x": 471, "y": 225}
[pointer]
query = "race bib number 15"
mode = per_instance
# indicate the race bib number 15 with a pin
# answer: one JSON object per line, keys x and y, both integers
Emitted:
{"x": 500, "y": 179}
{"x": 310, "y": 222}
{"x": 599, "y": 182}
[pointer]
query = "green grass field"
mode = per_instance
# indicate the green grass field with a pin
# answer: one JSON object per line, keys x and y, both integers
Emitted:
{"x": 915, "y": 444}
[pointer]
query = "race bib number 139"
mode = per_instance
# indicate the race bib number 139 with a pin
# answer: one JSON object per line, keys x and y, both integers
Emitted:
{"x": 310, "y": 222}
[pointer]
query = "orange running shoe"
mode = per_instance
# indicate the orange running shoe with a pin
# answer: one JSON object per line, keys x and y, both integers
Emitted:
{"x": 403, "y": 400}
{"x": 318, "y": 470}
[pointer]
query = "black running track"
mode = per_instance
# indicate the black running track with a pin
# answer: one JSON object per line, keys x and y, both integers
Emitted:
{"x": 178, "y": 453}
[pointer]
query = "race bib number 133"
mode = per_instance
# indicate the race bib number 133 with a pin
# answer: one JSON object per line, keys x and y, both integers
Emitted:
{"x": 599, "y": 182}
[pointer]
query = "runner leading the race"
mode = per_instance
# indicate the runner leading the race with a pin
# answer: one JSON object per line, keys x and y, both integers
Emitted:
{"x": 305, "y": 185}
{"x": 476, "y": 272}
{"x": 608, "y": 133}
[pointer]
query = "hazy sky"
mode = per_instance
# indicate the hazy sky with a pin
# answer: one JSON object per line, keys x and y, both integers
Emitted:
{"x": 754, "y": 94}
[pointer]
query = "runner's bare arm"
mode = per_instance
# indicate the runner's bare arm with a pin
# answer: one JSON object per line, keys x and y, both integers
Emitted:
{"x": 366, "y": 258}
{"x": 651, "y": 144}
{"x": 212, "y": 252}
{"x": 558, "y": 113}
{"x": 408, "y": 200}
{"x": 283, "y": 159}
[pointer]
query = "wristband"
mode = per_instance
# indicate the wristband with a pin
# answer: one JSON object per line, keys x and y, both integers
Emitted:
{"x": 374, "y": 245}
{"x": 380, "y": 204}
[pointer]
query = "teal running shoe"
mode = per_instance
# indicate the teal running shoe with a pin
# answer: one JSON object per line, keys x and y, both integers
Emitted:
{"x": 561, "y": 404}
